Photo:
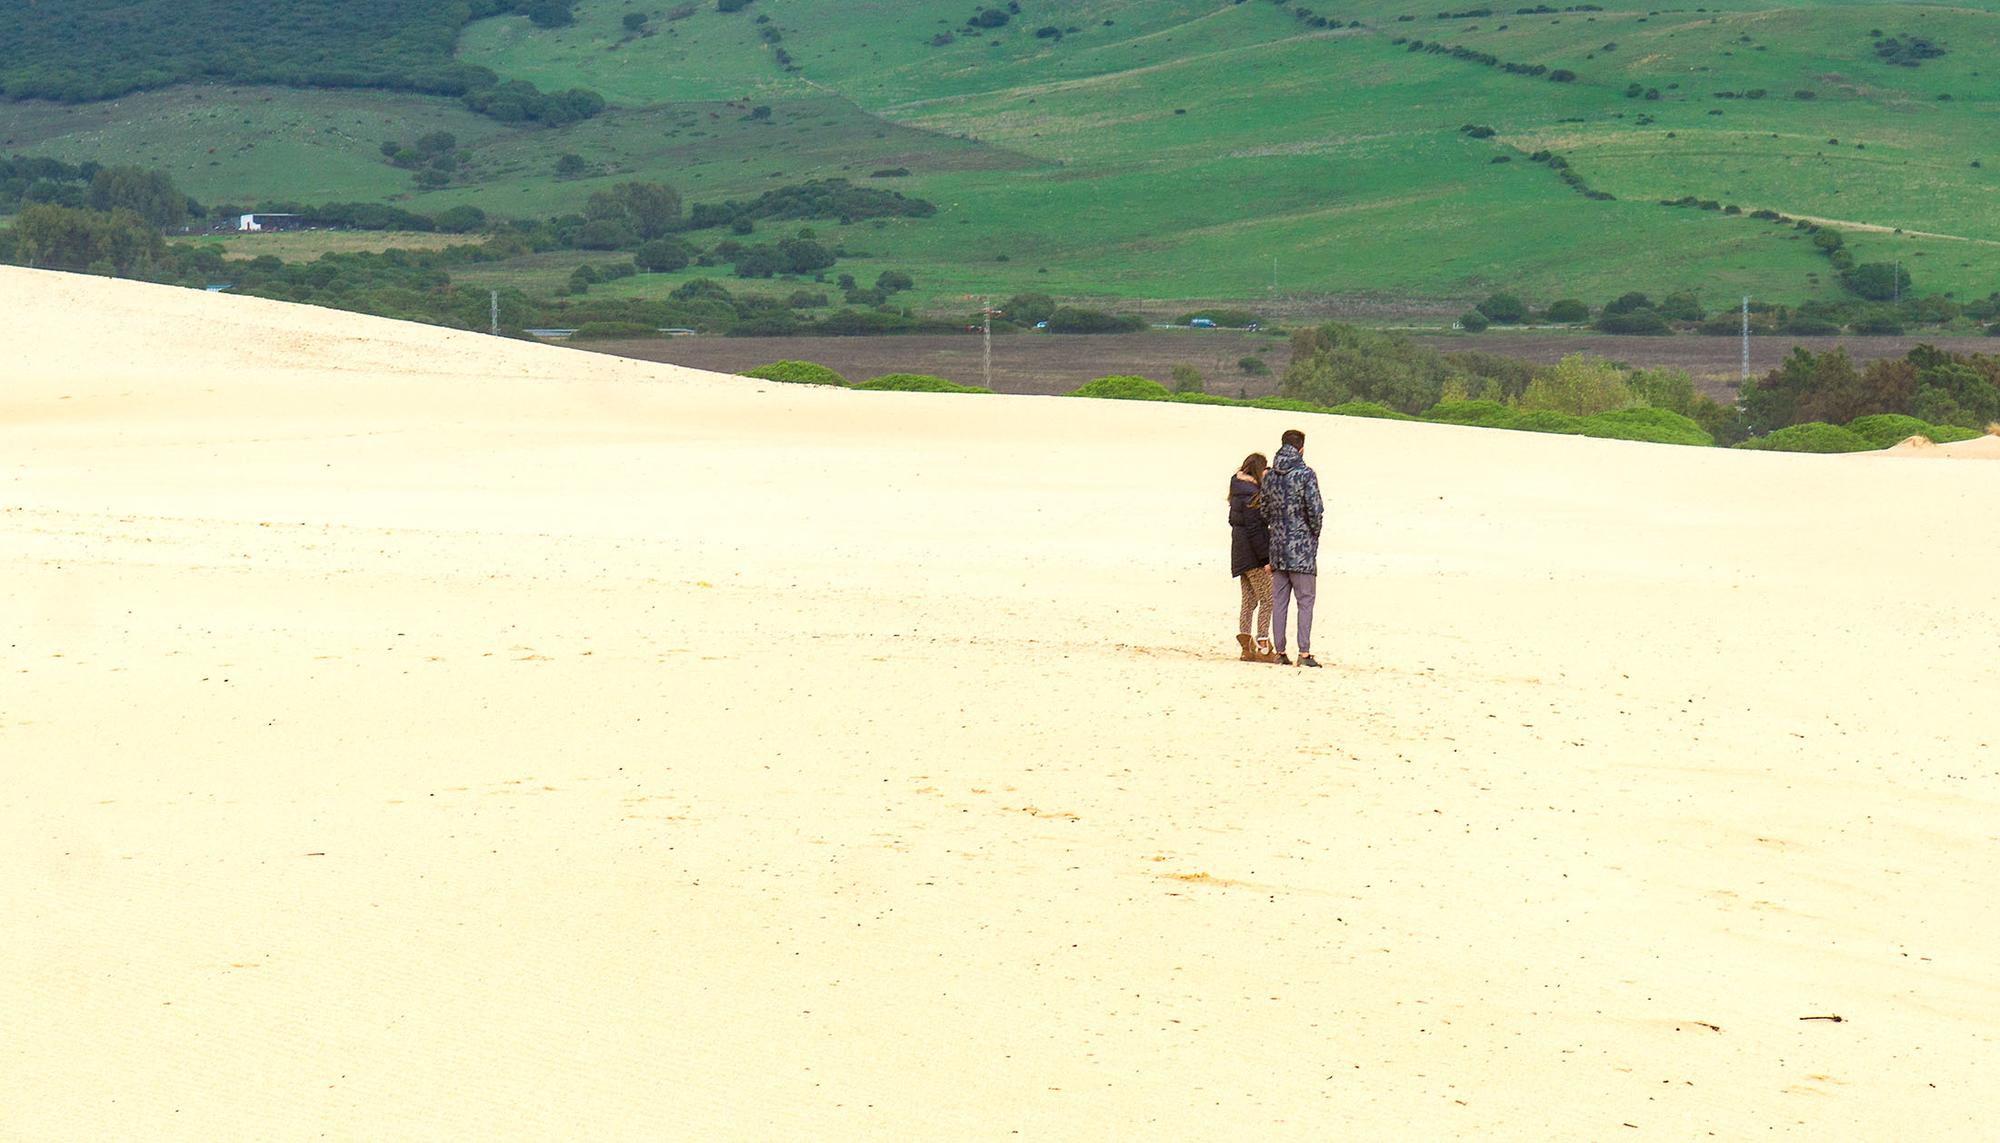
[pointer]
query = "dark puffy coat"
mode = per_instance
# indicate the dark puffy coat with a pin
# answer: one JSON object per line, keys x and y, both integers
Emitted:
{"x": 1249, "y": 536}
{"x": 1293, "y": 509}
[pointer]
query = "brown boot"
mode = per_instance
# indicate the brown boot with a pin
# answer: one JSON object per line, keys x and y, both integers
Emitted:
{"x": 1249, "y": 648}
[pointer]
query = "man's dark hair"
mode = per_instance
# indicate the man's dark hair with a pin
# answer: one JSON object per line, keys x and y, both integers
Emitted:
{"x": 1293, "y": 437}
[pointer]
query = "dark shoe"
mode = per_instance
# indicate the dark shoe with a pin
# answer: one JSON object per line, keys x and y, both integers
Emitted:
{"x": 1308, "y": 661}
{"x": 1281, "y": 660}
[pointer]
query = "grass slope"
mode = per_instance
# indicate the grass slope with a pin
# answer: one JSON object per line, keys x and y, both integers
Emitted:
{"x": 1181, "y": 149}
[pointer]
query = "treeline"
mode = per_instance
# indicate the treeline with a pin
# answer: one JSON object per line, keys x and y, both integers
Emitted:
{"x": 81, "y": 51}
{"x": 1336, "y": 364}
{"x": 1486, "y": 59}
{"x": 1636, "y": 313}
{"x": 1930, "y": 385}
{"x": 149, "y": 194}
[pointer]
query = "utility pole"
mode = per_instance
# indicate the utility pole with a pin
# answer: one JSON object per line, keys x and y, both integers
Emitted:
{"x": 496, "y": 313}
{"x": 1746, "y": 337}
{"x": 986, "y": 356}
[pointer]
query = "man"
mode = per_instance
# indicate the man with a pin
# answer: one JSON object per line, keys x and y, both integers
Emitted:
{"x": 1294, "y": 512}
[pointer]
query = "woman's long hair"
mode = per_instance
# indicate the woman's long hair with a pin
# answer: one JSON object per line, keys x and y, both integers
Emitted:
{"x": 1253, "y": 467}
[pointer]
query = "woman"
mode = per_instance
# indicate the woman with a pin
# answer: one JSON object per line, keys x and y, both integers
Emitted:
{"x": 1250, "y": 557}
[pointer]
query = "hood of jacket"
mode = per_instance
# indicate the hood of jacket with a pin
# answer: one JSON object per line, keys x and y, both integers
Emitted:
{"x": 1289, "y": 458}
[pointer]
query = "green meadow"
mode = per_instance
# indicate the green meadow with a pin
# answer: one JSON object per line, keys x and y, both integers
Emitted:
{"x": 1164, "y": 150}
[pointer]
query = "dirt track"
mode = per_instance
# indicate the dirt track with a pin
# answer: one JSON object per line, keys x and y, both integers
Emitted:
{"x": 1044, "y": 363}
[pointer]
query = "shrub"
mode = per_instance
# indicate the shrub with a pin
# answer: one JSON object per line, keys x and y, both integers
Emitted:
{"x": 1368, "y": 409}
{"x": 1547, "y": 421}
{"x": 916, "y": 383}
{"x": 1472, "y": 321}
{"x": 1813, "y": 436}
{"x": 1657, "y": 426}
{"x": 1801, "y": 325}
{"x": 1187, "y": 379}
{"x": 1256, "y": 366}
{"x": 1123, "y": 387}
{"x": 1072, "y": 319}
{"x": 1568, "y": 310}
{"x": 1027, "y": 309}
{"x": 1881, "y": 430}
{"x": 1505, "y": 309}
{"x": 1485, "y": 414}
{"x": 1640, "y": 322}
{"x": 1581, "y": 385}
{"x": 612, "y": 329}
{"x": 796, "y": 373}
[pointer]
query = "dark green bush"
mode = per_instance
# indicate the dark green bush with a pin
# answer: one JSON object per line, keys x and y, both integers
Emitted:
{"x": 1813, "y": 436}
{"x": 1568, "y": 311}
{"x": 1072, "y": 319}
{"x": 1368, "y": 409}
{"x": 916, "y": 383}
{"x": 1504, "y": 309}
{"x": 1657, "y": 426}
{"x": 796, "y": 373}
{"x": 1546, "y": 421}
{"x": 1485, "y": 414}
{"x": 1124, "y": 387}
{"x": 1645, "y": 322}
{"x": 1472, "y": 321}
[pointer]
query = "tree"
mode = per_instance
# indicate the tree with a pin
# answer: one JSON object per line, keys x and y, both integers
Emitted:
{"x": 1568, "y": 310}
{"x": 62, "y": 238}
{"x": 890, "y": 281}
{"x": 1626, "y": 303}
{"x": 654, "y": 209}
{"x": 1334, "y": 363}
{"x": 662, "y": 256}
{"x": 1956, "y": 394}
{"x": 1581, "y": 385}
{"x": 148, "y": 194}
{"x": 1681, "y": 306}
{"x": 1878, "y": 281}
{"x": 1187, "y": 379}
{"x": 1504, "y": 309}
{"x": 1472, "y": 321}
{"x": 803, "y": 255}
{"x": 1027, "y": 309}
{"x": 634, "y": 21}
{"x": 460, "y": 219}
{"x": 569, "y": 166}
{"x": 607, "y": 234}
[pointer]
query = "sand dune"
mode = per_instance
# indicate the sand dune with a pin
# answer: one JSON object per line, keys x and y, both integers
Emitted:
{"x": 413, "y": 735}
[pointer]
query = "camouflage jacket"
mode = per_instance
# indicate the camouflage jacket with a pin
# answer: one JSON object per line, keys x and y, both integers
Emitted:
{"x": 1293, "y": 510}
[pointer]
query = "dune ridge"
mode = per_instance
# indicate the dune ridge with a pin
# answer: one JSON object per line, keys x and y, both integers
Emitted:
{"x": 413, "y": 735}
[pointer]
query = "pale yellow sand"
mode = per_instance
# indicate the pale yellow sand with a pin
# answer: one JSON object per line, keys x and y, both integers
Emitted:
{"x": 410, "y": 735}
{"x": 1979, "y": 448}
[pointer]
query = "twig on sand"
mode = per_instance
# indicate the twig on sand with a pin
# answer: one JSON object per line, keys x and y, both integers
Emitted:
{"x": 1835, "y": 1019}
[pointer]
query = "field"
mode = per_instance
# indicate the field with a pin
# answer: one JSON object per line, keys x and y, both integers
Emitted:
{"x": 306, "y": 245}
{"x": 1182, "y": 149}
{"x": 1045, "y": 364}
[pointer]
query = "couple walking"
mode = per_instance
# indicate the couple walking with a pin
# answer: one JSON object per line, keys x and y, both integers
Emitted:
{"x": 1274, "y": 518}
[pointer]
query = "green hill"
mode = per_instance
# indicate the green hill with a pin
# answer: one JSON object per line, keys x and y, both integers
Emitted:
{"x": 1159, "y": 150}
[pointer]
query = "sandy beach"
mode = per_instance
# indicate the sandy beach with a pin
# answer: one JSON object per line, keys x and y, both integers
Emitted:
{"x": 415, "y": 735}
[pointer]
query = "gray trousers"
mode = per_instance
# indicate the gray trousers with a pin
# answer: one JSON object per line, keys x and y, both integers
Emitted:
{"x": 1284, "y": 585}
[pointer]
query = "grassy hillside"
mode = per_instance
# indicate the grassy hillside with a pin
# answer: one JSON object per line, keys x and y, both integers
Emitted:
{"x": 1177, "y": 149}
